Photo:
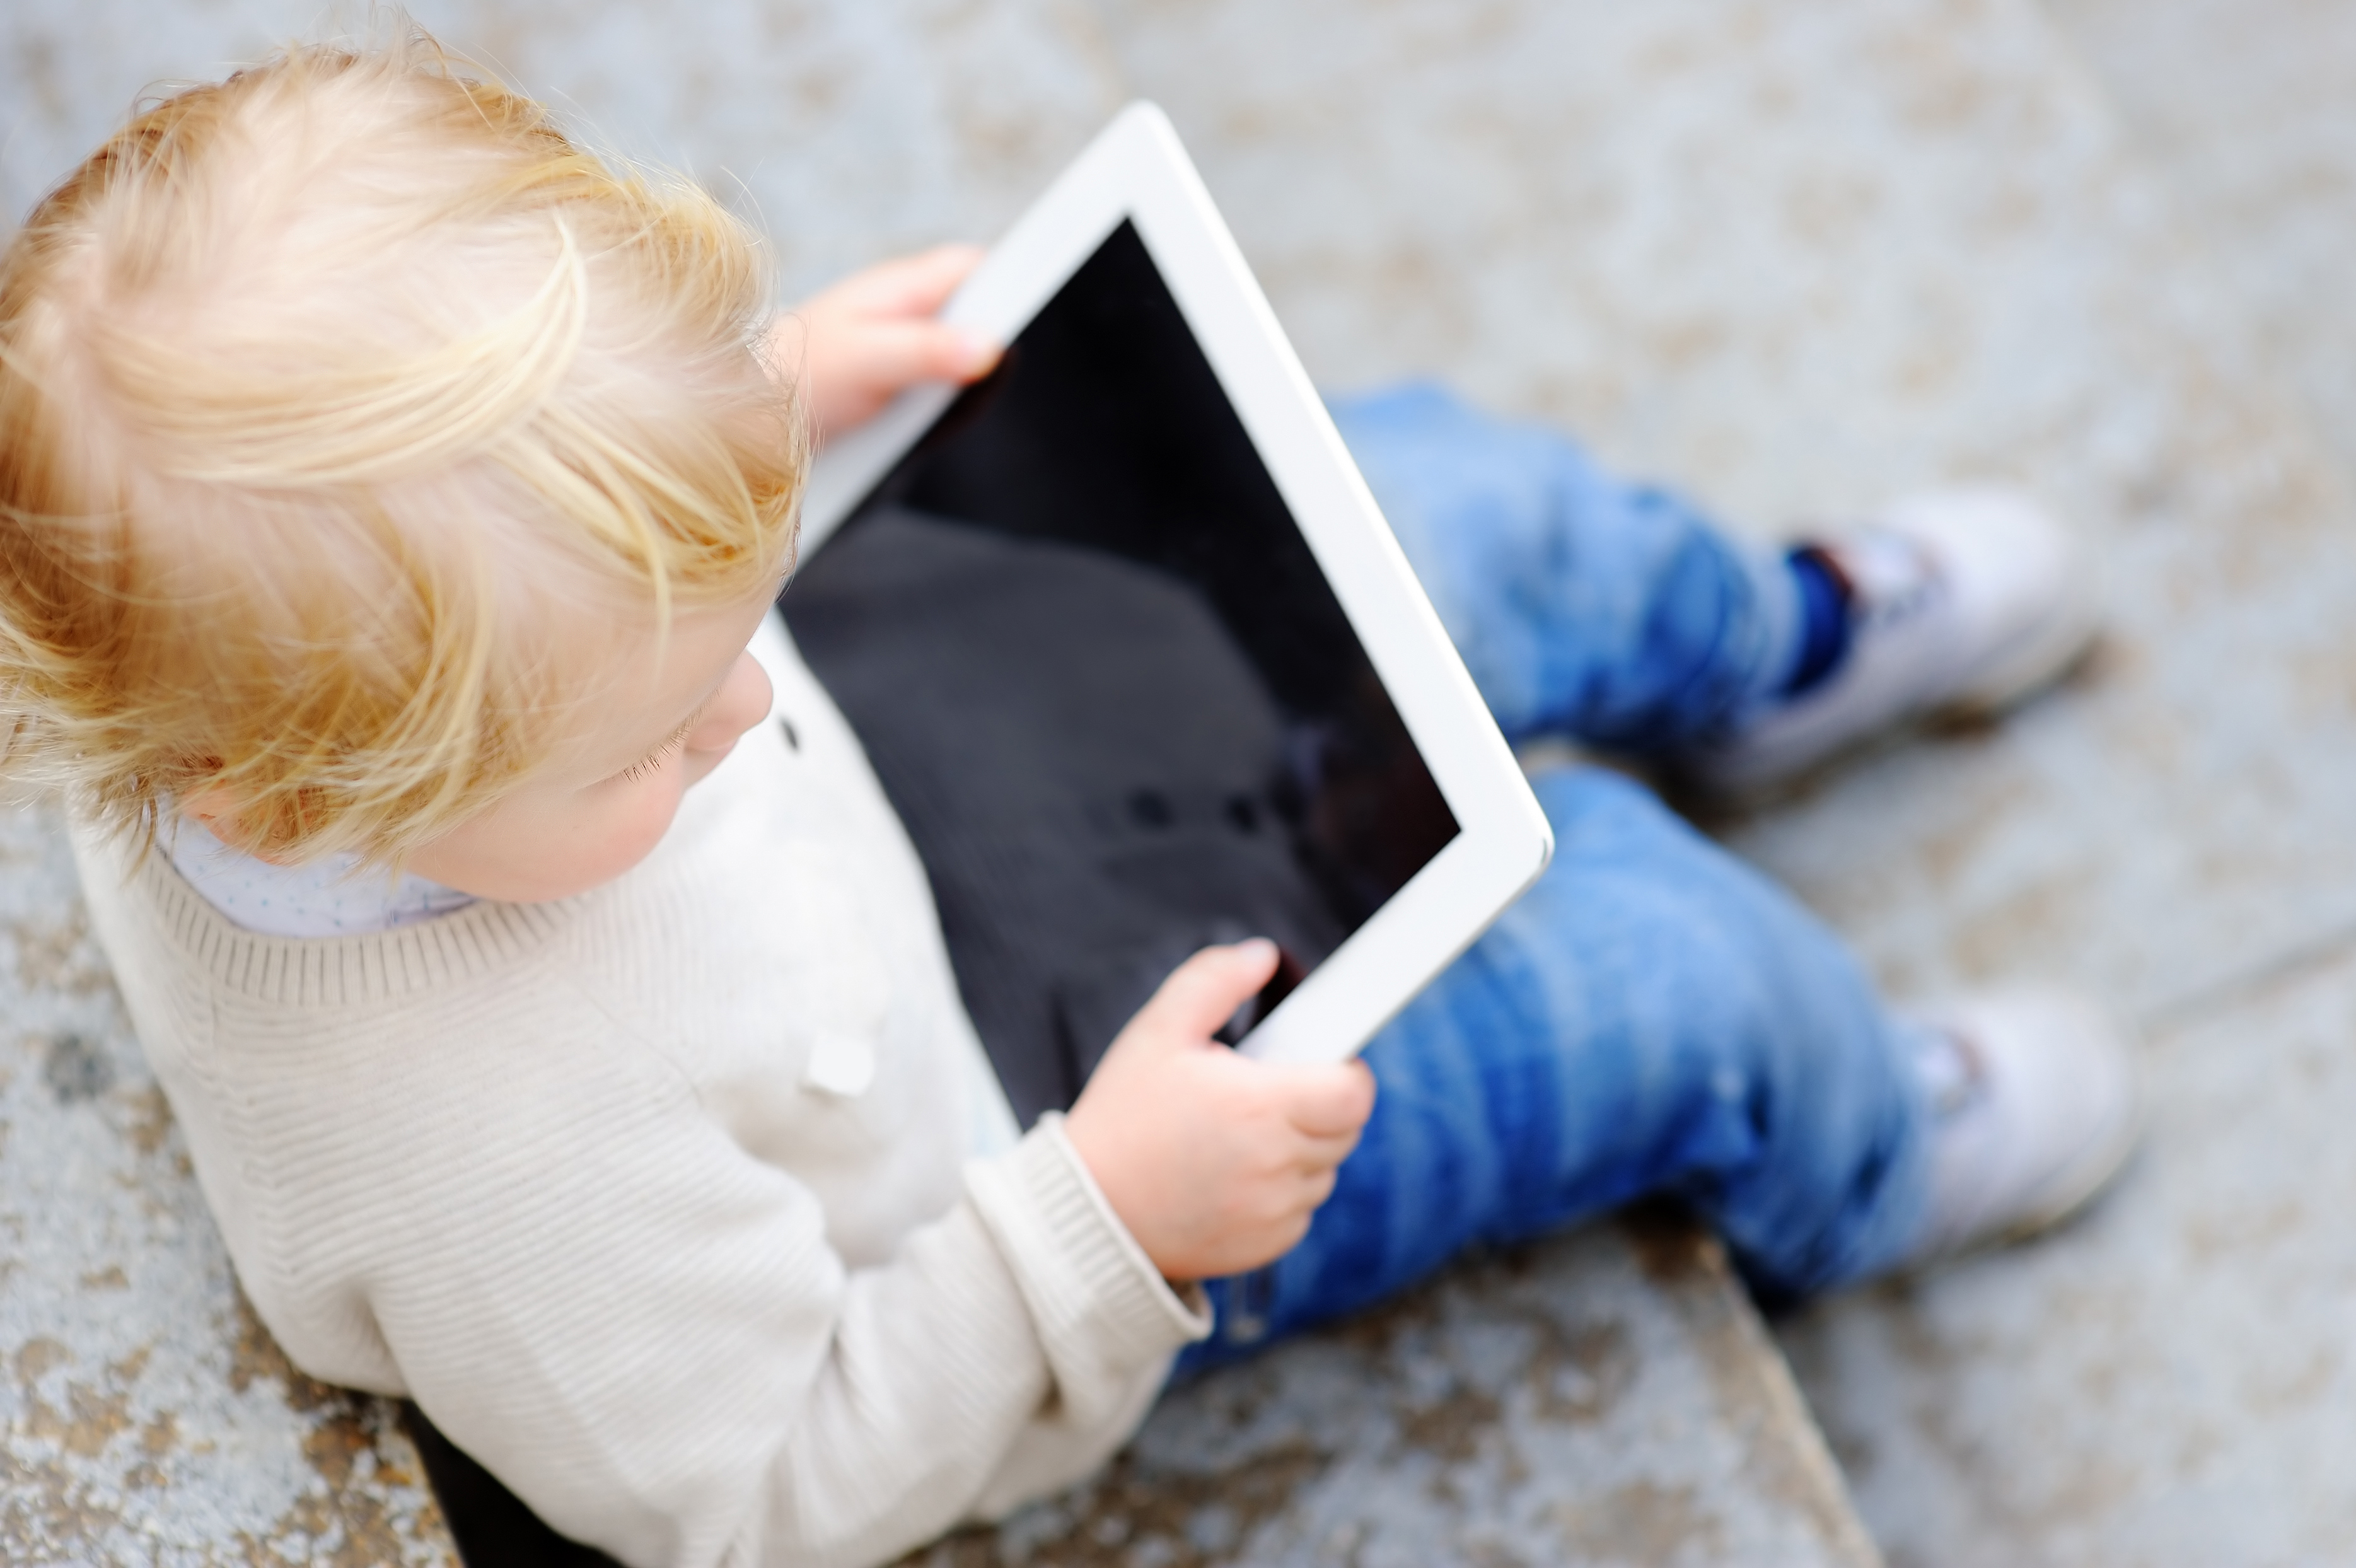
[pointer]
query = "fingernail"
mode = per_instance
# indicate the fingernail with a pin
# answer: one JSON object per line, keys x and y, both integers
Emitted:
{"x": 1260, "y": 950}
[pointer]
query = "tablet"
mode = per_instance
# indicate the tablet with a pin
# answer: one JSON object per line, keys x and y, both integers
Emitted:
{"x": 1136, "y": 658}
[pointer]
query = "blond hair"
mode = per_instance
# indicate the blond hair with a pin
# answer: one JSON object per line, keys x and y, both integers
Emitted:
{"x": 333, "y": 398}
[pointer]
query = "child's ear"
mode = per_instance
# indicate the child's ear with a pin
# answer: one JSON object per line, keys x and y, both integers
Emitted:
{"x": 222, "y": 815}
{"x": 217, "y": 808}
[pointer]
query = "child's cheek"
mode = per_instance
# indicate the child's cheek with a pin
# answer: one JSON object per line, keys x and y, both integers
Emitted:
{"x": 622, "y": 828}
{"x": 651, "y": 811}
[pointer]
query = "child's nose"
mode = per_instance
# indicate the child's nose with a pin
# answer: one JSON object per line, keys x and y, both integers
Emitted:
{"x": 742, "y": 701}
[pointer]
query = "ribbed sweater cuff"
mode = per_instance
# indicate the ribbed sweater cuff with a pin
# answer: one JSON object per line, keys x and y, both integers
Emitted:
{"x": 1104, "y": 1311}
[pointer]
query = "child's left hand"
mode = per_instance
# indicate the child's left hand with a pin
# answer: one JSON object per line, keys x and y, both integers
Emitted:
{"x": 862, "y": 342}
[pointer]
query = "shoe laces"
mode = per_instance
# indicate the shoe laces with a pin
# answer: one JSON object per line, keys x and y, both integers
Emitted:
{"x": 1891, "y": 578}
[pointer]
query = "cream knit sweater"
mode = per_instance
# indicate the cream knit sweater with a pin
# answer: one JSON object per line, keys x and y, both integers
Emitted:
{"x": 656, "y": 1199}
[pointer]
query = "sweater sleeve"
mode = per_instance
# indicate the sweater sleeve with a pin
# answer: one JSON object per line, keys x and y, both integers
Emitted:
{"x": 660, "y": 1354}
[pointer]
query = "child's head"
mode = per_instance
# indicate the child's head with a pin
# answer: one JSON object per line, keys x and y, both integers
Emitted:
{"x": 375, "y": 467}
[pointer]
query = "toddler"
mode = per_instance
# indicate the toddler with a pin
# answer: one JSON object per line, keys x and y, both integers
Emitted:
{"x": 392, "y": 503}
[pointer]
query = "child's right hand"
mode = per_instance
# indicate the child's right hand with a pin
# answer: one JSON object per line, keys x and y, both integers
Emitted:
{"x": 868, "y": 338}
{"x": 1214, "y": 1160}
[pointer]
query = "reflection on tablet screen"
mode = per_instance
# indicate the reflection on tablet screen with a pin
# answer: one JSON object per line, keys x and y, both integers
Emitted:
{"x": 1107, "y": 687}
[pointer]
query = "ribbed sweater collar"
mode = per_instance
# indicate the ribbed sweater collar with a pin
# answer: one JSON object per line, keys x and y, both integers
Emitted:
{"x": 332, "y": 971}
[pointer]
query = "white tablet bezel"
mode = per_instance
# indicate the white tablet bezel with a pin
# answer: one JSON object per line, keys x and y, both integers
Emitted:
{"x": 1137, "y": 170}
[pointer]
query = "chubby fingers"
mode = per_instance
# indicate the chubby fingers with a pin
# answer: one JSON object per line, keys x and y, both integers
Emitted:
{"x": 902, "y": 353}
{"x": 1324, "y": 1103}
{"x": 909, "y": 286}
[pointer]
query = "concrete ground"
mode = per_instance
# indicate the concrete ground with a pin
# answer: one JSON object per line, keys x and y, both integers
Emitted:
{"x": 1796, "y": 259}
{"x": 2170, "y": 1382}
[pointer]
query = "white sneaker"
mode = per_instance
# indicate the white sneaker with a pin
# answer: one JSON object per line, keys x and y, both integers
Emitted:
{"x": 1961, "y": 602}
{"x": 2034, "y": 1101}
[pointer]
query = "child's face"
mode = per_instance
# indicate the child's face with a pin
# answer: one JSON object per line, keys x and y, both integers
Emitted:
{"x": 605, "y": 797}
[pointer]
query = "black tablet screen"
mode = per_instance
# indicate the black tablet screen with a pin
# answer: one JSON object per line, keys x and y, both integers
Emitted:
{"x": 1106, "y": 686}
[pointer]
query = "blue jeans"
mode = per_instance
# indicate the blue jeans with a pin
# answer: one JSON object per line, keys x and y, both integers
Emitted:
{"x": 1652, "y": 1017}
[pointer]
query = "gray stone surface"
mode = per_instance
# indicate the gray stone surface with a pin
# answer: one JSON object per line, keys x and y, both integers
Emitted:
{"x": 2241, "y": 108}
{"x": 1600, "y": 1401}
{"x": 1607, "y": 1399}
{"x": 845, "y": 130}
